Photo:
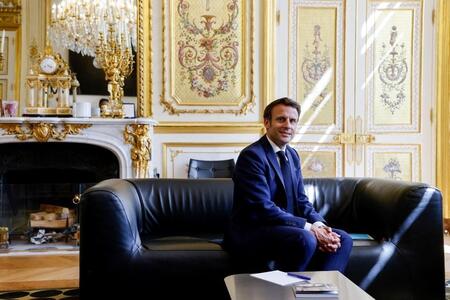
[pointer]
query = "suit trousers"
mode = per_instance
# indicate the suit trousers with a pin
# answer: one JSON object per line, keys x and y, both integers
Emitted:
{"x": 286, "y": 248}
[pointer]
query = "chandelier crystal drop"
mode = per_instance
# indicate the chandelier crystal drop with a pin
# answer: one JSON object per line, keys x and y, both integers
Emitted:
{"x": 77, "y": 24}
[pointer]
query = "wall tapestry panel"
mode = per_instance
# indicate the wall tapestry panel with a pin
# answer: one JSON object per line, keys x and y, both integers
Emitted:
{"x": 208, "y": 56}
{"x": 316, "y": 60}
{"x": 394, "y": 66}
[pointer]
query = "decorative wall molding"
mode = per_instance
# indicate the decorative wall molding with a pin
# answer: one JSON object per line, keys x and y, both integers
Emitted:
{"x": 176, "y": 155}
{"x": 394, "y": 162}
{"x": 208, "y": 128}
{"x": 320, "y": 160}
{"x": 394, "y": 66}
{"x": 316, "y": 70}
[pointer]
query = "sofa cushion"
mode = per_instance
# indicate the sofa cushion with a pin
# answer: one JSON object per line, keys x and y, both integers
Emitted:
{"x": 183, "y": 243}
{"x": 184, "y": 206}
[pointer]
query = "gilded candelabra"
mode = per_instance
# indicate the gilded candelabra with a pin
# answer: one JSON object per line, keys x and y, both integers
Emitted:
{"x": 116, "y": 59}
{"x": 103, "y": 29}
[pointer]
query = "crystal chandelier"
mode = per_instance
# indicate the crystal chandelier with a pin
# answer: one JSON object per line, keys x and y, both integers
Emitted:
{"x": 103, "y": 29}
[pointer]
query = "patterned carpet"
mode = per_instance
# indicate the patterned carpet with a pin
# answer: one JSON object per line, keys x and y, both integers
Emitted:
{"x": 72, "y": 294}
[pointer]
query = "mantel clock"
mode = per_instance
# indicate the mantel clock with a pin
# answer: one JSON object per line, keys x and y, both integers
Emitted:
{"x": 48, "y": 77}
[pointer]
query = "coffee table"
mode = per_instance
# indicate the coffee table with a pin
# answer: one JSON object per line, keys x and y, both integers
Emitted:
{"x": 246, "y": 287}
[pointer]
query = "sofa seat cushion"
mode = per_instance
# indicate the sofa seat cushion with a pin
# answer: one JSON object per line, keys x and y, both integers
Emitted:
{"x": 183, "y": 243}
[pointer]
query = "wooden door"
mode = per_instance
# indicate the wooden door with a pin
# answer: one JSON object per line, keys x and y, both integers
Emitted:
{"x": 363, "y": 75}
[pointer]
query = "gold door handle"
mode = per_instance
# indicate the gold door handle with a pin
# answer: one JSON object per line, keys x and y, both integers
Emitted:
{"x": 362, "y": 139}
{"x": 345, "y": 138}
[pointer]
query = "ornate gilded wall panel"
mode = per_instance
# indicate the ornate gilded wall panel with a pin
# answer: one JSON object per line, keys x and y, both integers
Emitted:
{"x": 394, "y": 66}
{"x": 208, "y": 56}
{"x": 176, "y": 155}
{"x": 320, "y": 160}
{"x": 394, "y": 162}
{"x": 3, "y": 88}
{"x": 316, "y": 62}
{"x": 5, "y": 63}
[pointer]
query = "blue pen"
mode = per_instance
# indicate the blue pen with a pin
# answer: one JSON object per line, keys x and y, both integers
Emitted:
{"x": 298, "y": 276}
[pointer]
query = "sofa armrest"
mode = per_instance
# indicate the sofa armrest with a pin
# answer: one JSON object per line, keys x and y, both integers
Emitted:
{"x": 391, "y": 210}
{"x": 407, "y": 219}
{"x": 110, "y": 220}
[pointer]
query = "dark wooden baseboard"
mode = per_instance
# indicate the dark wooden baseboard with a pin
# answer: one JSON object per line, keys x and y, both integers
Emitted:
{"x": 446, "y": 225}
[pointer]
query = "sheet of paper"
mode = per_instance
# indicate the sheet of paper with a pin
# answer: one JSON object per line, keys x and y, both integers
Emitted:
{"x": 277, "y": 277}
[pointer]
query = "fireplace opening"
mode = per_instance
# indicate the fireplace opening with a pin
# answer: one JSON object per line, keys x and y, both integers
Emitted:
{"x": 38, "y": 183}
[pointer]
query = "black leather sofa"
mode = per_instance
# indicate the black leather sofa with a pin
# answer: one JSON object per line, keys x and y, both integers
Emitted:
{"x": 162, "y": 237}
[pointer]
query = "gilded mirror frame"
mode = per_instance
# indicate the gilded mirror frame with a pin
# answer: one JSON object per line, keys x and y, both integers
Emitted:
{"x": 11, "y": 21}
{"x": 144, "y": 58}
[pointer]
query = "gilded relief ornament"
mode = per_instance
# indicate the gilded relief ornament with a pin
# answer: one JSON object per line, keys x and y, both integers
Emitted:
{"x": 316, "y": 166}
{"x": 208, "y": 53}
{"x": 137, "y": 135}
{"x": 314, "y": 65}
{"x": 392, "y": 169}
{"x": 42, "y": 132}
{"x": 392, "y": 73}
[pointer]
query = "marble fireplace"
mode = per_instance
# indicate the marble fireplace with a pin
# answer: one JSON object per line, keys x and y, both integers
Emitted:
{"x": 51, "y": 160}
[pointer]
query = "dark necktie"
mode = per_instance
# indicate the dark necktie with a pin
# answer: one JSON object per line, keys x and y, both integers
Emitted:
{"x": 287, "y": 178}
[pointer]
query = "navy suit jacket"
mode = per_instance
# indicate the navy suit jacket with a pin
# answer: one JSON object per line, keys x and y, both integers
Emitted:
{"x": 259, "y": 193}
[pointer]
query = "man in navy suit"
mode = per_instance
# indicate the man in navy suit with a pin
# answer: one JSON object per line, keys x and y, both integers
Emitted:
{"x": 272, "y": 217}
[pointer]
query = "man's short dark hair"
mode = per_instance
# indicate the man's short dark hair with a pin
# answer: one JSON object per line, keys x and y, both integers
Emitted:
{"x": 284, "y": 101}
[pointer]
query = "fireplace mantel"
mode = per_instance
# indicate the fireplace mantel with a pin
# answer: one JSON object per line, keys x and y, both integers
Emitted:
{"x": 128, "y": 139}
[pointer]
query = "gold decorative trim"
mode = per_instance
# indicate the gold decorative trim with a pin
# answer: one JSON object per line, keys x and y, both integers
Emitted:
{"x": 137, "y": 135}
{"x": 443, "y": 107}
{"x": 271, "y": 20}
{"x": 243, "y": 107}
{"x": 42, "y": 132}
{"x": 208, "y": 128}
{"x": 144, "y": 59}
{"x": 10, "y": 14}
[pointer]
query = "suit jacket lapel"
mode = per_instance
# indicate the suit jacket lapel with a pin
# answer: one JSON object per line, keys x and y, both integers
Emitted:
{"x": 272, "y": 157}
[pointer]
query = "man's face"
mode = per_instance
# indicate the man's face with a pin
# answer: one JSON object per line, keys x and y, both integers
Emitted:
{"x": 281, "y": 126}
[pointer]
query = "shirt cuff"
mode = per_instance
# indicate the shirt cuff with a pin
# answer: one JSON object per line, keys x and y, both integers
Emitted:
{"x": 319, "y": 224}
{"x": 308, "y": 226}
